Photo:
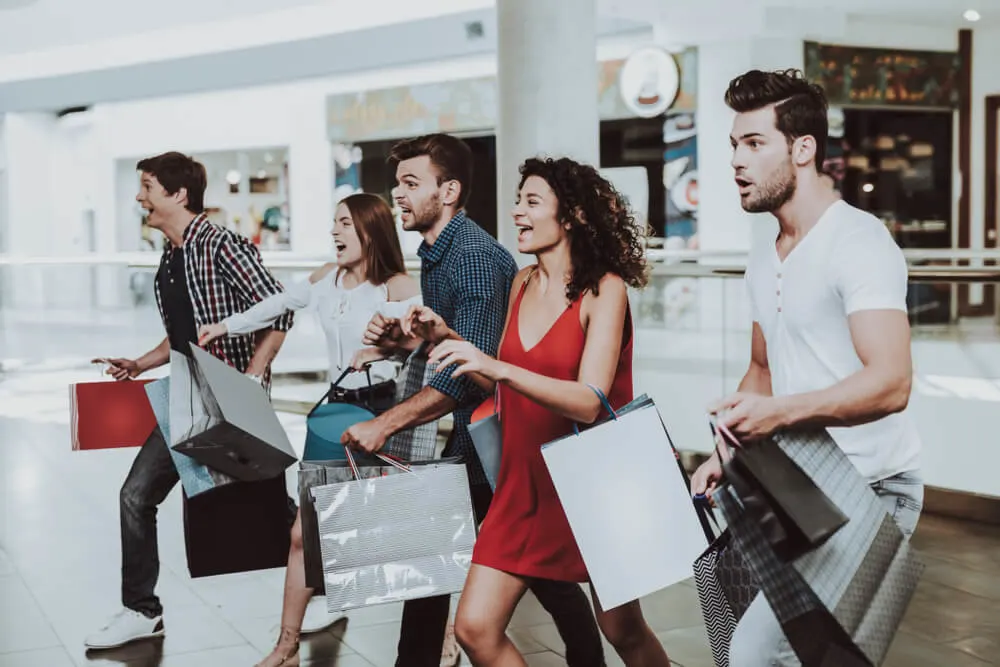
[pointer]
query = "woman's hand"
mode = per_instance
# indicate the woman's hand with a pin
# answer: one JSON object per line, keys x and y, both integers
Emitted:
{"x": 365, "y": 356}
{"x": 467, "y": 357}
{"x": 209, "y": 332}
{"x": 424, "y": 323}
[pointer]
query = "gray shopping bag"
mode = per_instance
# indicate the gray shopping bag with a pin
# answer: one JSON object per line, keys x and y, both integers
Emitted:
{"x": 321, "y": 473}
{"x": 195, "y": 477}
{"x": 224, "y": 420}
{"x": 396, "y": 537}
{"x": 840, "y": 605}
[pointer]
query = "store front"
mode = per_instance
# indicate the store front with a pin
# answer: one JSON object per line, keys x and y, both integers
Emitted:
{"x": 364, "y": 126}
{"x": 892, "y": 142}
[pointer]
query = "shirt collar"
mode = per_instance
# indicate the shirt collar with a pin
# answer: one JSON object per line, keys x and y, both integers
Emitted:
{"x": 432, "y": 254}
{"x": 191, "y": 231}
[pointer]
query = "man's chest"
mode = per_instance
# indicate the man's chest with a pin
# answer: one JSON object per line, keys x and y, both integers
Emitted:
{"x": 795, "y": 299}
{"x": 440, "y": 291}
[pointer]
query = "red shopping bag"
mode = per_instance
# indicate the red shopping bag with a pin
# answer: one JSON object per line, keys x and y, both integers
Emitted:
{"x": 107, "y": 415}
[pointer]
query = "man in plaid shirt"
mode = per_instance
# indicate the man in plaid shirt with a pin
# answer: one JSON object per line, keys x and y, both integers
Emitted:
{"x": 206, "y": 274}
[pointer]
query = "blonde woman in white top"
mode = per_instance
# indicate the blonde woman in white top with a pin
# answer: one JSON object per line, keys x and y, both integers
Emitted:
{"x": 369, "y": 277}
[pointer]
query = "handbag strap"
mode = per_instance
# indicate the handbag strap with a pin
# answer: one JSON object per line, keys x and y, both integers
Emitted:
{"x": 604, "y": 401}
{"x": 385, "y": 458}
{"x": 336, "y": 385}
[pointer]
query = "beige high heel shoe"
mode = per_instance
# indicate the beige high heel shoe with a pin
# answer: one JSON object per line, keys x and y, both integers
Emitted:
{"x": 287, "y": 657}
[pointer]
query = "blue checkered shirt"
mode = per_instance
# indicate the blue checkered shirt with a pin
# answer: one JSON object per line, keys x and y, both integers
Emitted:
{"x": 466, "y": 278}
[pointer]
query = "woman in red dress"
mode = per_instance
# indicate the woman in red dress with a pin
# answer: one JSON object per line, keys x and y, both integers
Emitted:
{"x": 568, "y": 326}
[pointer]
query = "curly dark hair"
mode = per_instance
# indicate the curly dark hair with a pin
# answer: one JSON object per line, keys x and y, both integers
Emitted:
{"x": 603, "y": 234}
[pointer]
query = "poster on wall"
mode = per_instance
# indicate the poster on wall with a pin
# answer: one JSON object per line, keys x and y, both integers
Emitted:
{"x": 854, "y": 75}
{"x": 680, "y": 179}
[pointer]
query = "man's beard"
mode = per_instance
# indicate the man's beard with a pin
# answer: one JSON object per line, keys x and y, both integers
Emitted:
{"x": 773, "y": 194}
{"x": 428, "y": 214}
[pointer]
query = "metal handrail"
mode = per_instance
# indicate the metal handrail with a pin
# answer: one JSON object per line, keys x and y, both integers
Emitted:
{"x": 671, "y": 263}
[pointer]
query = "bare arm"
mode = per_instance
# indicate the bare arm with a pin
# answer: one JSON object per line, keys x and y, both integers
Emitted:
{"x": 425, "y": 406}
{"x": 268, "y": 343}
{"x": 425, "y": 321}
{"x": 758, "y": 376}
{"x": 158, "y": 356}
{"x": 882, "y": 386}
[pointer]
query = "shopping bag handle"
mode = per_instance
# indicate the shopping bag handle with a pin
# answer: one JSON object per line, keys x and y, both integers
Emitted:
{"x": 385, "y": 458}
{"x": 604, "y": 401}
{"x": 336, "y": 385}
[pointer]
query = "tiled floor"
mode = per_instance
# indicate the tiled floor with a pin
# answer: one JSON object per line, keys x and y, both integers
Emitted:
{"x": 59, "y": 575}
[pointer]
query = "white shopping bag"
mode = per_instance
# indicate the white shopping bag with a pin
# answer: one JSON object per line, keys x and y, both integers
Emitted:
{"x": 627, "y": 503}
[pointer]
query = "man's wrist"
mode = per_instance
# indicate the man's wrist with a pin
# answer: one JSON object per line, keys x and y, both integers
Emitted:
{"x": 791, "y": 410}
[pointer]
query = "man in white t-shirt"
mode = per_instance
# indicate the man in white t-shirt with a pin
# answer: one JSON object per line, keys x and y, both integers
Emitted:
{"x": 831, "y": 337}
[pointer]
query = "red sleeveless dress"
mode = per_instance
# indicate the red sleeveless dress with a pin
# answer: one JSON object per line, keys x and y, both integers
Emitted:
{"x": 526, "y": 532}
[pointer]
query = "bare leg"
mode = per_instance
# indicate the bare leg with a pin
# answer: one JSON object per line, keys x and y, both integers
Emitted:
{"x": 484, "y": 611}
{"x": 296, "y": 599}
{"x": 633, "y": 639}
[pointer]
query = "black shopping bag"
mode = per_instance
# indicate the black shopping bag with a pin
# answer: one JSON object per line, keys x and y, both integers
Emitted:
{"x": 240, "y": 527}
{"x": 841, "y": 604}
{"x": 794, "y": 515}
{"x": 225, "y": 419}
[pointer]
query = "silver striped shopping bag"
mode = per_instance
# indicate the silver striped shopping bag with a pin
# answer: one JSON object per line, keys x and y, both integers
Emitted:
{"x": 396, "y": 537}
{"x": 840, "y": 605}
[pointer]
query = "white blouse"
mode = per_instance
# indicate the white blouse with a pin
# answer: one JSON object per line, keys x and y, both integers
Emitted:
{"x": 344, "y": 315}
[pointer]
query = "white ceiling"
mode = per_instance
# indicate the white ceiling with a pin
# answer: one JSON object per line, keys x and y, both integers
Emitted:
{"x": 60, "y": 53}
{"x": 33, "y": 25}
{"x": 45, "y": 24}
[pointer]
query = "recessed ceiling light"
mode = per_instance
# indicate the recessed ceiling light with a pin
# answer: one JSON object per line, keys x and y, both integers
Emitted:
{"x": 971, "y": 15}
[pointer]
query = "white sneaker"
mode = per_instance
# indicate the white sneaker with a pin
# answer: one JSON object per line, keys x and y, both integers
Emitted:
{"x": 124, "y": 627}
{"x": 317, "y": 618}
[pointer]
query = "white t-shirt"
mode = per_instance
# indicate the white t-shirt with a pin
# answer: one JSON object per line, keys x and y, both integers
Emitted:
{"x": 847, "y": 263}
{"x": 344, "y": 315}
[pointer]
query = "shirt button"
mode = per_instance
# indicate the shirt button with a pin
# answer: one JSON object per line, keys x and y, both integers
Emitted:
{"x": 779, "y": 309}
{"x": 778, "y": 292}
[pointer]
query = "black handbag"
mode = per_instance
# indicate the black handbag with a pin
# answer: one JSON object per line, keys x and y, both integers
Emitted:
{"x": 795, "y": 516}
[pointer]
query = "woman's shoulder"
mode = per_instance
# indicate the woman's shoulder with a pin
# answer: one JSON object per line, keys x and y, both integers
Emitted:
{"x": 322, "y": 272}
{"x": 401, "y": 287}
{"x": 611, "y": 290}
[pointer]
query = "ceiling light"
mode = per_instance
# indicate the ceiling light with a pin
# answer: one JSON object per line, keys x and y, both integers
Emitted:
{"x": 261, "y": 174}
{"x": 868, "y": 187}
{"x": 971, "y": 15}
{"x": 233, "y": 177}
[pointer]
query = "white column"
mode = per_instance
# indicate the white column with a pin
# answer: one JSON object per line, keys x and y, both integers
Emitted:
{"x": 722, "y": 223}
{"x": 547, "y": 90}
{"x": 310, "y": 177}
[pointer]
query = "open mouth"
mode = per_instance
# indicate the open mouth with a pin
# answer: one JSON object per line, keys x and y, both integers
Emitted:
{"x": 405, "y": 211}
{"x": 340, "y": 247}
{"x": 523, "y": 231}
{"x": 743, "y": 183}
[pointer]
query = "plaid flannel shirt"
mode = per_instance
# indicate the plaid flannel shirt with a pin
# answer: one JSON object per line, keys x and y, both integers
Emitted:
{"x": 225, "y": 275}
{"x": 466, "y": 278}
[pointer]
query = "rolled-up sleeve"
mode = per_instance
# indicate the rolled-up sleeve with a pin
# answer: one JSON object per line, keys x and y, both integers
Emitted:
{"x": 242, "y": 268}
{"x": 481, "y": 307}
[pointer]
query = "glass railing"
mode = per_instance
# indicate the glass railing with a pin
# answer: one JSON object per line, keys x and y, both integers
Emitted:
{"x": 692, "y": 334}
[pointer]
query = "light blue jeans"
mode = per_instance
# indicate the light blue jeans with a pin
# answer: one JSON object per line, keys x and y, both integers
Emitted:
{"x": 758, "y": 640}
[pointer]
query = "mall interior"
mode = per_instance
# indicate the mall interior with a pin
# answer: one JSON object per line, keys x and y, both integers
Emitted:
{"x": 292, "y": 106}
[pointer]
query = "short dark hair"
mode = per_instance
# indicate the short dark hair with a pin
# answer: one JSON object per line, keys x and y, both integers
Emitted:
{"x": 451, "y": 157}
{"x": 800, "y": 107}
{"x": 175, "y": 171}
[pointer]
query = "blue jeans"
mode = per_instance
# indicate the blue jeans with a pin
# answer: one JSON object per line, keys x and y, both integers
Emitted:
{"x": 759, "y": 641}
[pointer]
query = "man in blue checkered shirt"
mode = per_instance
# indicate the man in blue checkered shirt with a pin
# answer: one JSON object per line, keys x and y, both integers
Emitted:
{"x": 465, "y": 278}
